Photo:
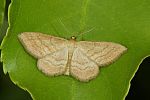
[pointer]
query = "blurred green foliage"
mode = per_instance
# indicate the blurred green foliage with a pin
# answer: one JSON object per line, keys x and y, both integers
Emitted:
{"x": 8, "y": 91}
{"x": 2, "y": 10}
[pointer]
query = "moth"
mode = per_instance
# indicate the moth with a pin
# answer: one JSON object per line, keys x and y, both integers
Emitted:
{"x": 58, "y": 56}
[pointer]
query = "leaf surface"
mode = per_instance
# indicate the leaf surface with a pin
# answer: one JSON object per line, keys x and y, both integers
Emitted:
{"x": 122, "y": 21}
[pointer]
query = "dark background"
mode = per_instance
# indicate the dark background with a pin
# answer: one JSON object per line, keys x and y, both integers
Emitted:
{"x": 139, "y": 90}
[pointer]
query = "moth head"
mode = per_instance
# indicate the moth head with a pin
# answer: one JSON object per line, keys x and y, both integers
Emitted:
{"x": 80, "y": 33}
{"x": 73, "y": 38}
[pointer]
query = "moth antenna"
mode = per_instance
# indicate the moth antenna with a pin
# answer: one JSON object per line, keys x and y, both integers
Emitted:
{"x": 55, "y": 30}
{"x": 64, "y": 25}
{"x": 86, "y": 31}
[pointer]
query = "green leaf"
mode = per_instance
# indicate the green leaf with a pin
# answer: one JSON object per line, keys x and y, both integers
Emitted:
{"x": 122, "y": 21}
{"x": 2, "y": 10}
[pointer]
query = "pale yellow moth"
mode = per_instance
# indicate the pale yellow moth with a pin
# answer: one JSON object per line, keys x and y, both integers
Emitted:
{"x": 58, "y": 56}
